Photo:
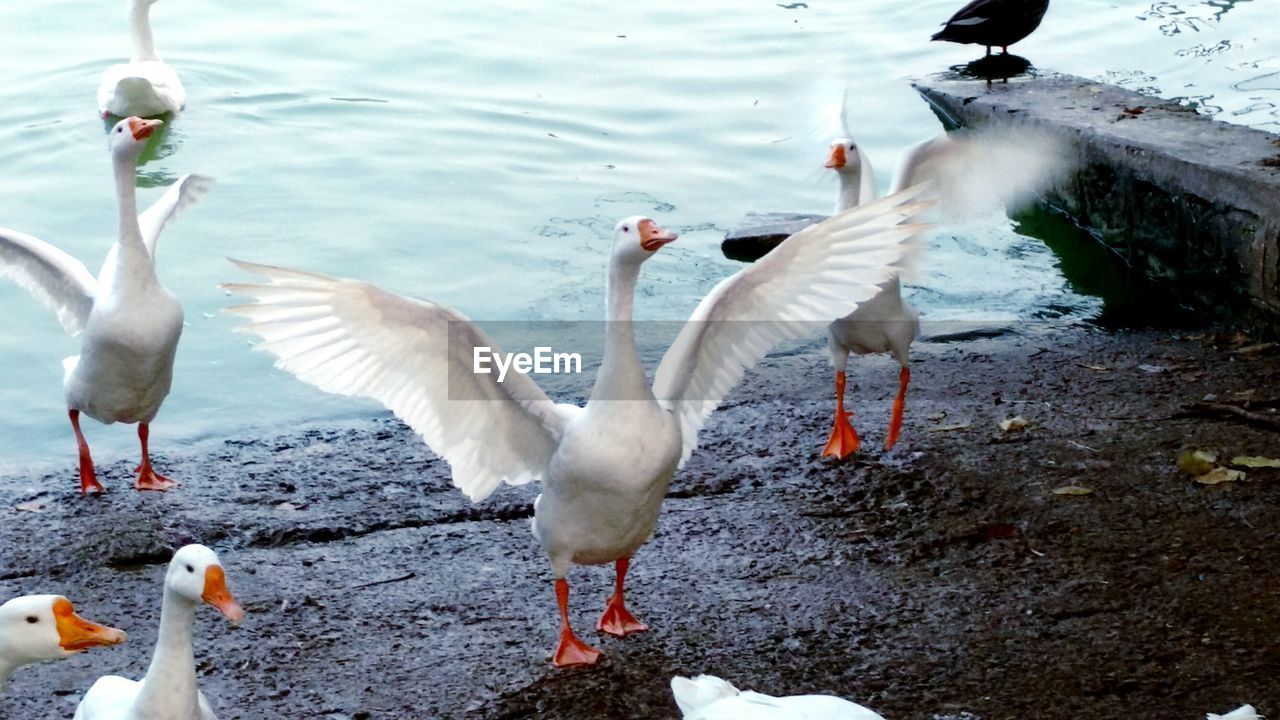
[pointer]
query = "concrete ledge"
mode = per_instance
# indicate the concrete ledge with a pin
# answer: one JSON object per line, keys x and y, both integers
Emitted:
{"x": 758, "y": 233}
{"x": 1182, "y": 197}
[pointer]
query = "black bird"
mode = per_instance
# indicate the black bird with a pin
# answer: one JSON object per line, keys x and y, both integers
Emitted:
{"x": 993, "y": 22}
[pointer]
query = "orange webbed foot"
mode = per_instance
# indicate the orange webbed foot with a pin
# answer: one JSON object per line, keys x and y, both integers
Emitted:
{"x": 89, "y": 479}
{"x": 572, "y": 652}
{"x": 149, "y": 479}
{"x": 618, "y": 621}
{"x": 844, "y": 439}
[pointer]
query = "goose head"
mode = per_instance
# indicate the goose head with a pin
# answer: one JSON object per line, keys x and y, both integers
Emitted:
{"x": 694, "y": 694}
{"x": 129, "y": 136}
{"x": 637, "y": 238}
{"x": 844, "y": 157}
{"x": 34, "y": 628}
{"x": 196, "y": 575}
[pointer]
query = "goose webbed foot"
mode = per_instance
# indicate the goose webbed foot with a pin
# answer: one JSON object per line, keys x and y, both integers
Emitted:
{"x": 148, "y": 478}
{"x": 844, "y": 439}
{"x": 616, "y": 619}
{"x": 88, "y": 476}
{"x": 570, "y": 651}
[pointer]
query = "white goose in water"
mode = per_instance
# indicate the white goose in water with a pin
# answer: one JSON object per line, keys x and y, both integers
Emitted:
{"x": 130, "y": 322}
{"x": 604, "y": 467}
{"x": 169, "y": 691}
{"x": 36, "y": 628}
{"x": 707, "y": 697}
{"x": 144, "y": 86}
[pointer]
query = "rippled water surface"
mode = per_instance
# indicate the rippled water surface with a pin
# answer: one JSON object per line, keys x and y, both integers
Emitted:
{"x": 479, "y": 154}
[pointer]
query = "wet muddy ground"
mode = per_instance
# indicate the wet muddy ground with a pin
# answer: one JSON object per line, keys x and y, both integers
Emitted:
{"x": 943, "y": 580}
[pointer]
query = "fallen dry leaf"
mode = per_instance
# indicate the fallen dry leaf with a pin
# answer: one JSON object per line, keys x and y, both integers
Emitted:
{"x": 32, "y": 506}
{"x": 1154, "y": 369}
{"x": 1072, "y": 490}
{"x": 950, "y": 428}
{"x": 1014, "y": 424}
{"x": 1254, "y": 349}
{"x": 1196, "y": 462}
{"x": 1095, "y": 368}
{"x": 1255, "y": 461}
{"x": 1220, "y": 475}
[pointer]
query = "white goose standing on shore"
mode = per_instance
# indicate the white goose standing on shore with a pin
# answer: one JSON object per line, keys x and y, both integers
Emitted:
{"x": 604, "y": 467}
{"x": 130, "y": 322}
{"x": 36, "y": 628}
{"x": 145, "y": 86}
{"x": 169, "y": 691}
{"x": 970, "y": 173}
{"x": 886, "y": 322}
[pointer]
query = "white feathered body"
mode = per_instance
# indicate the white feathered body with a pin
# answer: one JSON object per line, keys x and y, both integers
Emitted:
{"x": 125, "y": 366}
{"x": 146, "y": 89}
{"x": 113, "y": 697}
{"x": 606, "y": 481}
{"x": 755, "y": 706}
{"x": 707, "y": 697}
{"x": 885, "y": 323}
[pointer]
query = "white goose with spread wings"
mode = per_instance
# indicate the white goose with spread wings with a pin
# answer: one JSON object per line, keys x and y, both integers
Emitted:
{"x": 130, "y": 322}
{"x": 886, "y": 322}
{"x": 604, "y": 467}
{"x": 969, "y": 173}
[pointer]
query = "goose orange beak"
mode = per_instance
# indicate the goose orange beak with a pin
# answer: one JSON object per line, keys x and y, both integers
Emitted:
{"x": 76, "y": 634}
{"x": 653, "y": 237}
{"x": 837, "y": 159}
{"x": 217, "y": 594}
{"x": 142, "y": 129}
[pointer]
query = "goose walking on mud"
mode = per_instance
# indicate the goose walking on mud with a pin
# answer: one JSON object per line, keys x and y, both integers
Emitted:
{"x": 604, "y": 467}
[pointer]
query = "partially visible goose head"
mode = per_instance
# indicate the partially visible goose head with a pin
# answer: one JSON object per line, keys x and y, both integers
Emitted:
{"x": 844, "y": 156}
{"x": 129, "y": 136}
{"x": 694, "y": 694}
{"x": 637, "y": 238}
{"x": 196, "y": 576}
{"x": 35, "y": 628}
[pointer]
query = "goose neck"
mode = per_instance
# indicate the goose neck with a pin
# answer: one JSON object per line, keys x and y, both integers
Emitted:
{"x": 126, "y": 169}
{"x": 621, "y": 375}
{"x": 144, "y": 48}
{"x": 850, "y": 190}
{"x": 171, "y": 678}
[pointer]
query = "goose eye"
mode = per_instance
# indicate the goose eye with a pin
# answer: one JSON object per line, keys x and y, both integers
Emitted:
{"x": 33, "y": 619}
{"x": 190, "y": 569}
{"x": 626, "y": 228}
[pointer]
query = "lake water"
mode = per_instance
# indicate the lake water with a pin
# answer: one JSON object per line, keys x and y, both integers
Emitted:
{"x": 479, "y": 153}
